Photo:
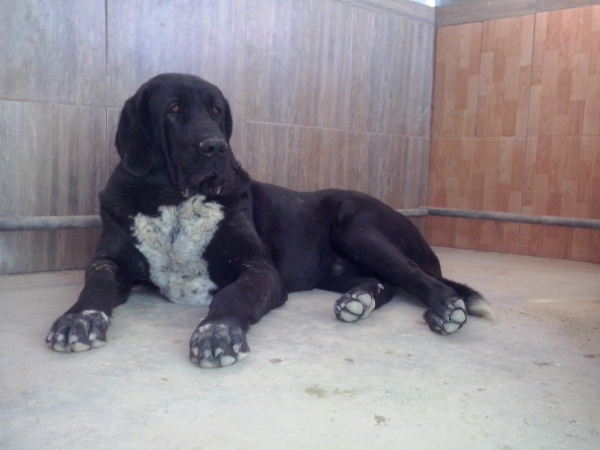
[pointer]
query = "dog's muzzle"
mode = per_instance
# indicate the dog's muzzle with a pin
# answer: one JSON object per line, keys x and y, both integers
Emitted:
{"x": 213, "y": 154}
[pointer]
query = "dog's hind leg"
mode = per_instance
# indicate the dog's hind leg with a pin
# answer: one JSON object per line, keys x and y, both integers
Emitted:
{"x": 372, "y": 249}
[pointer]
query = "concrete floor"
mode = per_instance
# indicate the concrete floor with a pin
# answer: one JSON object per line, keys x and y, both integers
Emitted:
{"x": 531, "y": 380}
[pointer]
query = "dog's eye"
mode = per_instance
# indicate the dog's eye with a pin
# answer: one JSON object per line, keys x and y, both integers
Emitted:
{"x": 216, "y": 110}
{"x": 175, "y": 109}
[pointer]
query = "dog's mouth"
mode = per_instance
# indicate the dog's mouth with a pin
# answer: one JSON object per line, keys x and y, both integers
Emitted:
{"x": 191, "y": 191}
{"x": 211, "y": 186}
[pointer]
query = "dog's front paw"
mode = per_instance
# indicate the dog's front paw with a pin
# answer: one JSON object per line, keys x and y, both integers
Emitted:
{"x": 218, "y": 344}
{"x": 447, "y": 316}
{"x": 77, "y": 332}
{"x": 355, "y": 304}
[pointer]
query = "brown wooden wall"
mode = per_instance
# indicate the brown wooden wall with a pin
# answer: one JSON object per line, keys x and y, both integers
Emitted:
{"x": 516, "y": 128}
{"x": 325, "y": 93}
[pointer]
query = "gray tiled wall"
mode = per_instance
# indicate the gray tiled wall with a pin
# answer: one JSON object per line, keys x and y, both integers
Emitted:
{"x": 325, "y": 93}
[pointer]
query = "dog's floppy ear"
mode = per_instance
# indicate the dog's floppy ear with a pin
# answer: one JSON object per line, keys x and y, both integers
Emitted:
{"x": 227, "y": 125}
{"x": 133, "y": 138}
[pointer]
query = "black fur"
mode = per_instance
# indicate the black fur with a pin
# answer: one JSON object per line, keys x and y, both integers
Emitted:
{"x": 173, "y": 139}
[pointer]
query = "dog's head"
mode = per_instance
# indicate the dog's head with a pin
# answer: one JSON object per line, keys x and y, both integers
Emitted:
{"x": 181, "y": 124}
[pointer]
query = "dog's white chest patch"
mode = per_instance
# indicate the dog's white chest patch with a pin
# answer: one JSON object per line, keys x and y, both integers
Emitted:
{"x": 174, "y": 244}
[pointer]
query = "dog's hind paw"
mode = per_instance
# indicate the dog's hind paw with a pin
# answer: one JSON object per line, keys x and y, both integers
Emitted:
{"x": 77, "y": 332}
{"x": 447, "y": 316}
{"x": 218, "y": 345}
{"x": 354, "y": 304}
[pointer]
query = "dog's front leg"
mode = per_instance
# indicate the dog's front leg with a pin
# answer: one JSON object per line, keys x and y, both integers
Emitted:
{"x": 84, "y": 325}
{"x": 220, "y": 339}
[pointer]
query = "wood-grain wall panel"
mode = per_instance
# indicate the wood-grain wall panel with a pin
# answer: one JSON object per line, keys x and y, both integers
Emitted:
{"x": 391, "y": 168}
{"x": 53, "y": 158}
{"x": 148, "y": 37}
{"x": 301, "y": 158}
{"x": 112, "y": 123}
{"x": 286, "y": 67}
{"x": 392, "y": 73}
{"x": 563, "y": 179}
{"x": 53, "y": 162}
{"x": 563, "y": 176}
{"x": 298, "y": 62}
{"x": 505, "y": 77}
{"x": 456, "y": 87}
{"x": 565, "y": 91}
{"x": 238, "y": 141}
{"x": 557, "y": 111}
{"x": 36, "y": 251}
{"x": 475, "y": 174}
{"x": 52, "y": 51}
{"x": 472, "y": 234}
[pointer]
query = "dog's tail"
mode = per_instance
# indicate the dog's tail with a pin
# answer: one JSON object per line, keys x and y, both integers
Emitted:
{"x": 476, "y": 304}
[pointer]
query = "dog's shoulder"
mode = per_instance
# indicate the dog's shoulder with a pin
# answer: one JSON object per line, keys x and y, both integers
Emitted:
{"x": 126, "y": 195}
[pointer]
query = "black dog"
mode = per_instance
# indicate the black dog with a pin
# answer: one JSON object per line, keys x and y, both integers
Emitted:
{"x": 180, "y": 213}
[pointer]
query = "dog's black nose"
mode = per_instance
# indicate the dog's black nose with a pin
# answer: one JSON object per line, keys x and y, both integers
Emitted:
{"x": 213, "y": 146}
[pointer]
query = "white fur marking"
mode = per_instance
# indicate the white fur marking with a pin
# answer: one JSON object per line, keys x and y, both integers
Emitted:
{"x": 479, "y": 307}
{"x": 89, "y": 312}
{"x": 173, "y": 244}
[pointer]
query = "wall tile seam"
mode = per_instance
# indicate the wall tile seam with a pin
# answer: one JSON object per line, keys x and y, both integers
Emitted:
{"x": 345, "y": 130}
{"x": 412, "y": 18}
{"x": 75, "y": 105}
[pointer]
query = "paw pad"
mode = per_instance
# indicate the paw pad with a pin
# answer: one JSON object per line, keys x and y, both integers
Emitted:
{"x": 218, "y": 345}
{"x": 354, "y": 305}
{"x": 78, "y": 332}
{"x": 447, "y": 316}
